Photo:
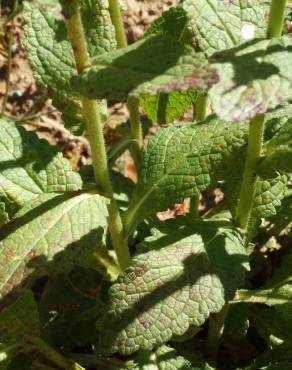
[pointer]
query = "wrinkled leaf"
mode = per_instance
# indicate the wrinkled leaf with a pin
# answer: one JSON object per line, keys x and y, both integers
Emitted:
{"x": 253, "y": 78}
{"x": 182, "y": 162}
{"x": 156, "y": 64}
{"x": 50, "y": 233}
{"x": 29, "y": 167}
{"x": 182, "y": 280}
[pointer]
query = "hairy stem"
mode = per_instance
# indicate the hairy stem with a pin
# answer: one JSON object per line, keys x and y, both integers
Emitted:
{"x": 256, "y": 130}
{"x": 276, "y": 18}
{"x": 91, "y": 113}
{"x": 54, "y": 356}
{"x": 9, "y": 60}
{"x": 215, "y": 331}
{"x": 255, "y": 141}
{"x": 132, "y": 103}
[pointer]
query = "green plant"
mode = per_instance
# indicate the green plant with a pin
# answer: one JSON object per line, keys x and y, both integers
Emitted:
{"x": 189, "y": 284}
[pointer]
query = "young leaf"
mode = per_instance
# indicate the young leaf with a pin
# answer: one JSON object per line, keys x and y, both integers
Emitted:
{"x": 184, "y": 278}
{"x": 50, "y": 234}
{"x": 253, "y": 78}
{"x": 182, "y": 162}
{"x": 156, "y": 64}
{"x": 29, "y": 167}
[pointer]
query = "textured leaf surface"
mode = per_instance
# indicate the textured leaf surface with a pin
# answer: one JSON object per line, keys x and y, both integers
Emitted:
{"x": 267, "y": 200}
{"x": 219, "y": 25}
{"x": 167, "y": 108}
{"x": 176, "y": 284}
{"x": 279, "y": 151}
{"x": 253, "y": 78}
{"x": 214, "y": 25}
{"x": 157, "y": 64}
{"x": 50, "y": 233}
{"x": 164, "y": 358}
{"x": 182, "y": 162}
{"x": 29, "y": 167}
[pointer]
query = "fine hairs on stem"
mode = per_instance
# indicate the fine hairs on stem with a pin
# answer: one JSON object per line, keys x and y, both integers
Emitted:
{"x": 91, "y": 113}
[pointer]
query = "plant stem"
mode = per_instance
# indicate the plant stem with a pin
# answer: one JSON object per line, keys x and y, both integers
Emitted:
{"x": 215, "y": 330}
{"x": 201, "y": 107}
{"x": 276, "y": 18}
{"x": 54, "y": 356}
{"x": 256, "y": 129}
{"x": 255, "y": 141}
{"x": 91, "y": 113}
{"x": 162, "y": 108}
{"x": 132, "y": 103}
{"x": 9, "y": 60}
{"x": 194, "y": 205}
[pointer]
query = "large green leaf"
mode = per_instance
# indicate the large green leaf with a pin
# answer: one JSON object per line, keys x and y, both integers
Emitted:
{"x": 253, "y": 78}
{"x": 51, "y": 233}
{"x": 179, "y": 282}
{"x": 156, "y": 64}
{"x": 182, "y": 162}
{"x": 214, "y": 25}
{"x": 29, "y": 167}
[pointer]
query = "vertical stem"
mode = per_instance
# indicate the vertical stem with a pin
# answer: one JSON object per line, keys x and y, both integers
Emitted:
{"x": 201, "y": 107}
{"x": 133, "y": 106}
{"x": 276, "y": 18}
{"x": 256, "y": 129}
{"x": 91, "y": 113}
{"x": 215, "y": 331}
{"x": 194, "y": 205}
{"x": 255, "y": 140}
{"x": 9, "y": 60}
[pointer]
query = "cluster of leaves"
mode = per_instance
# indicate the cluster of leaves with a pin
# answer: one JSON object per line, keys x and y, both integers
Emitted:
{"x": 184, "y": 271}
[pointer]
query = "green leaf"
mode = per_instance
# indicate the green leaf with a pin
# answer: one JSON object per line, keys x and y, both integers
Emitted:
{"x": 164, "y": 358}
{"x": 253, "y": 78}
{"x": 50, "y": 53}
{"x": 278, "y": 290}
{"x": 50, "y": 234}
{"x": 274, "y": 323}
{"x": 166, "y": 108}
{"x": 182, "y": 162}
{"x": 156, "y": 64}
{"x": 72, "y": 300}
{"x": 185, "y": 277}
{"x": 278, "y": 151}
{"x": 268, "y": 198}
{"x": 19, "y": 319}
{"x": 214, "y": 25}
{"x": 29, "y": 167}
